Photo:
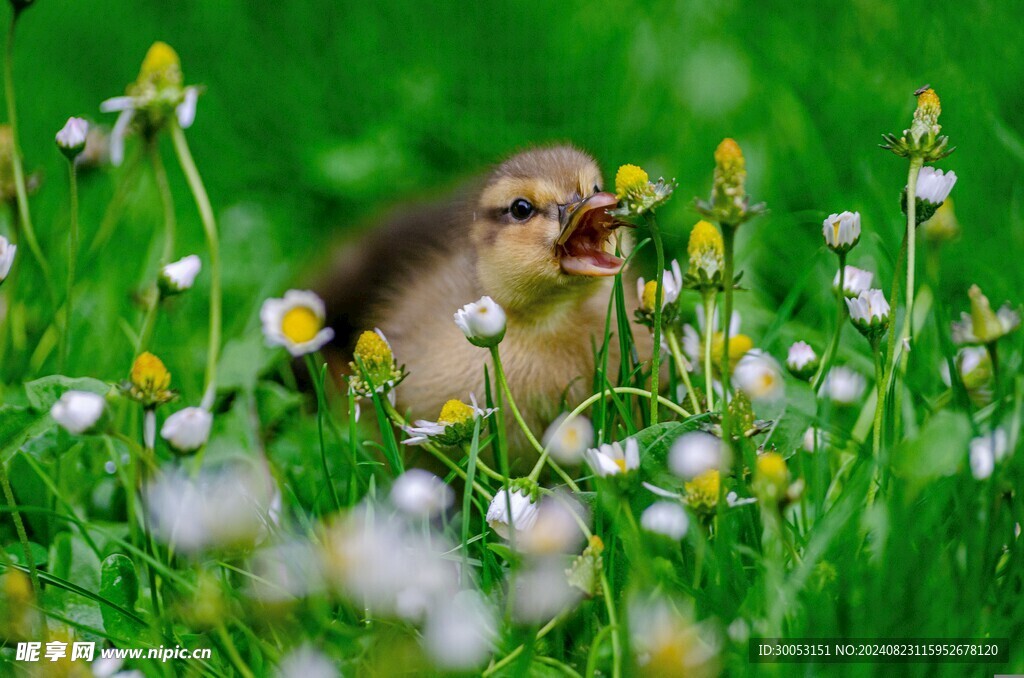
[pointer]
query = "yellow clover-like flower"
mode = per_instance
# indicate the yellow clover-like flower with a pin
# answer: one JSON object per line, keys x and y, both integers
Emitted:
{"x": 630, "y": 180}
{"x": 374, "y": 368}
{"x": 636, "y": 192}
{"x": 149, "y": 381}
{"x": 706, "y": 251}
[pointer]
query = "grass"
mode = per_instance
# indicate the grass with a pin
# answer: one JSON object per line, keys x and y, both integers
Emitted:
{"x": 900, "y": 541}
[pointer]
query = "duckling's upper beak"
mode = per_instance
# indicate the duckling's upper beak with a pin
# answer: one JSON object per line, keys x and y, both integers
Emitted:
{"x": 586, "y": 231}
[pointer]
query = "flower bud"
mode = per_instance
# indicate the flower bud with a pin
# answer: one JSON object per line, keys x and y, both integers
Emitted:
{"x": 842, "y": 231}
{"x": 187, "y": 430}
{"x": 161, "y": 67}
{"x": 149, "y": 381}
{"x": 802, "y": 361}
{"x": 179, "y": 276}
{"x": 78, "y": 411}
{"x": 728, "y": 192}
{"x": 523, "y": 503}
{"x": 7, "y": 252}
{"x": 926, "y": 115}
{"x": 855, "y": 281}
{"x": 71, "y": 137}
{"x": 706, "y": 252}
{"x": 869, "y": 312}
{"x": 983, "y": 325}
{"x": 482, "y": 321}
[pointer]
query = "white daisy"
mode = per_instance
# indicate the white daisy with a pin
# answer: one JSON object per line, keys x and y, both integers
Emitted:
{"x": 78, "y": 411}
{"x": 612, "y": 459}
{"x": 295, "y": 322}
{"x": 482, "y": 321}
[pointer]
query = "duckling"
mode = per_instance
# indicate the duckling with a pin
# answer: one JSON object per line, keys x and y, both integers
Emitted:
{"x": 535, "y": 236}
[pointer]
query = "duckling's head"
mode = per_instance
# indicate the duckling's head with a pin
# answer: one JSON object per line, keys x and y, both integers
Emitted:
{"x": 541, "y": 230}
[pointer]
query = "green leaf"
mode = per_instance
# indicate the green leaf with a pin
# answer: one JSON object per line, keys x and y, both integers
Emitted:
{"x": 17, "y": 554}
{"x": 119, "y": 583}
{"x": 939, "y": 451}
{"x": 43, "y": 393}
{"x": 242, "y": 361}
{"x": 19, "y": 425}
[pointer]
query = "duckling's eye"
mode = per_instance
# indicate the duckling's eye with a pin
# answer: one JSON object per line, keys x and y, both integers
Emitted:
{"x": 521, "y": 209}
{"x": 597, "y": 189}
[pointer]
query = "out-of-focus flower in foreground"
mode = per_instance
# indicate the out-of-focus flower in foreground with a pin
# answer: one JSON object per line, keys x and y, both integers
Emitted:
{"x": 482, "y": 321}
{"x": 987, "y": 451}
{"x": 179, "y": 276}
{"x": 306, "y": 662}
{"x": 556, "y": 529}
{"x": 758, "y": 375}
{"x": 454, "y": 424}
{"x": 421, "y": 494}
{"x": 460, "y": 632}
{"x": 296, "y": 322}
{"x": 694, "y": 453}
{"x": 666, "y": 518}
{"x": 983, "y": 325}
{"x": 668, "y": 643}
{"x": 567, "y": 440}
{"x": 646, "y": 293}
{"x": 187, "y": 429}
{"x": 157, "y": 95}
{"x": 78, "y": 411}
{"x": 843, "y": 385}
{"x": 771, "y": 477}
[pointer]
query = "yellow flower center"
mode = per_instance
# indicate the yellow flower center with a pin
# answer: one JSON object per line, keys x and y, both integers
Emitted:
{"x": 596, "y": 544}
{"x": 702, "y": 491}
{"x": 455, "y": 412}
{"x": 738, "y": 347}
{"x": 621, "y": 463}
{"x": 161, "y": 66}
{"x": 630, "y": 179}
{"x": 729, "y": 156}
{"x": 371, "y": 349}
{"x": 704, "y": 240}
{"x": 928, "y": 101}
{"x": 149, "y": 374}
{"x": 772, "y": 467}
{"x": 300, "y": 324}
{"x": 649, "y": 296}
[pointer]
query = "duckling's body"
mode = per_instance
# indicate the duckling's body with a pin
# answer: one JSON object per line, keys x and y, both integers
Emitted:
{"x": 422, "y": 268}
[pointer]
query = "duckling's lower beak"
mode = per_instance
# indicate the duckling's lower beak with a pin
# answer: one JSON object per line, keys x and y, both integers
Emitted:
{"x": 583, "y": 243}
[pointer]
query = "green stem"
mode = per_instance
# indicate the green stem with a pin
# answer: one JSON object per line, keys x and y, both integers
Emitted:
{"x": 72, "y": 257}
{"x": 659, "y": 292}
{"x": 915, "y": 169}
{"x": 166, "y": 200}
{"x": 681, "y": 366}
{"x": 195, "y": 183}
{"x": 16, "y": 164}
{"x": 510, "y": 657}
{"x": 609, "y": 603}
{"x": 148, "y": 320}
{"x": 19, "y": 526}
{"x": 880, "y": 398}
{"x": 729, "y": 242}
{"x": 232, "y": 652}
{"x": 830, "y": 352}
{"x": 499, "y": 372}
{"x": 709, "y": 313}
{"x": 321, "y": 409}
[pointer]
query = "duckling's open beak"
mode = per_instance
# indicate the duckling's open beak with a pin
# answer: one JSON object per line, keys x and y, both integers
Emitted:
{"x": 583, "y": 243}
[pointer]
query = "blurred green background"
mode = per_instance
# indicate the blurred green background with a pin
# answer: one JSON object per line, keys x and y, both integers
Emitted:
{"x": 319, "y": 115}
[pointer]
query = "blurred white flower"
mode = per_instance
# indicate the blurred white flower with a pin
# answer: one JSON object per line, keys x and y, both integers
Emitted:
{"x": 71, "y": 137}
{"x": 306, "y": 662}
{"x": 522, "y": 517}
{"x": 612, "y": 459}
{"x": 179, "y": 276}
{"x": 7, "y": 251}
{"x": 671, "y": 286}
{"x": 694, "y": 453}
{"x": 420, "y": 493}
{"x": 232, "y": 507}
{"x": 285, "y": 572}
{"x": 460, "y": 632}
{"x": 801, "y": 357}
{"x": 542, "y": 590}
{"x": 987, "y": 451}
{"x": 295, "y": 322}
{"x": 482, "y": 321}
{"x": 665, "y": 518}
{"x": 758, "y": 375}
{"x": 983, "y": 325}
{"x": 188, "y": 429}
{"x": 733, "y": 500}
{"x": 668, "y": 643}
{"x": 556, "y": 528}
{"x": 566, "y": 441}
{"x": 78, "y": 411}
{"x": 855, "y": 281}
{"x": 843, "y": 385}
{"x": 933, "y": 185}
{"x": 386, "y": 565}
{"x": 815, "y": 439}
{"x": 841, "y": 231}
{"x": 693, "y": 337}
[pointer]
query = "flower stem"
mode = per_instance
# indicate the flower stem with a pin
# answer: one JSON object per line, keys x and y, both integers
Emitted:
{"x": 709, "y": 313}
{"x": 72, "y": 257}
{"x": 166, "y": 200}
{"x": 19, "y": 526}
{"x": 16, "y": 165}
{"x": 681, "y": 366}
{"x": 499, "y": 372}
{"x": 321, "y": 409}
{"x": 729, "y": 243}
{"x": 195, "y": 183}
{"x": 908, "y": 320}
{"x": 880, "y": 398}
{"x": 659, "y": 293}
{"x": 830, "y": 352}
